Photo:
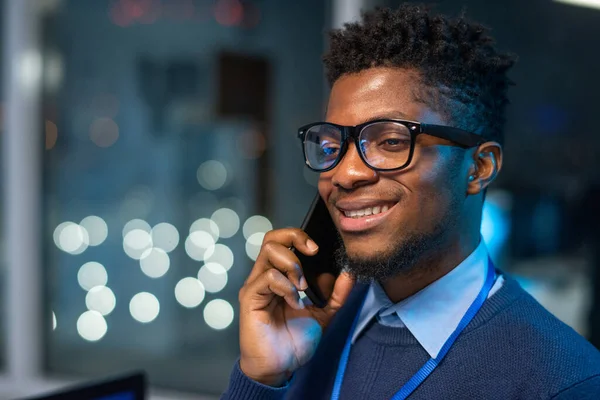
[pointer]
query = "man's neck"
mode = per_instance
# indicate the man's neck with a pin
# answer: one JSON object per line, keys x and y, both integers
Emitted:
{"x": 429, "y": 269}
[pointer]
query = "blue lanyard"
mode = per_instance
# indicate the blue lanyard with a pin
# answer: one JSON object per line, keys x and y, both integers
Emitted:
{"x": 430, "y": 365}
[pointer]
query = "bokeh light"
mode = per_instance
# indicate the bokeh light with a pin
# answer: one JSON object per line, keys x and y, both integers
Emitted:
{"x": 30, "y": 68}
{"x": 91, "y": 326}
{"x": 256, "y": 224}
{"x": 136, "y": 242}
{"x": 165, "y": 236}
{"x": 119, "y": 15}
{"x": 218, "y": 314}
{"x": 96, "y": 228}
{"x": 58, "y": 230}
{"x": 144, "y": 307}
{"x": 155, "y": 262}
{"x": 229, "y": 12}
{"x": 212, "y": 175}
{"x": 101, "y": 299}
{"x": 213, "y": 276}
{"x": 253, "y": 245}
{"x": 104, "y": 132}
{"x": 206, "y": 225}
{"x": 199, "y": 245}
{"x": 92, "y": 274}
{"x": 54, "y": 322}
{"x": 189, "y": 292}
{"x": 136, "y": 224}
{"x": 221, "y": 254}
{"x": 72, "y": 238}
{"x": 228, "y": 222}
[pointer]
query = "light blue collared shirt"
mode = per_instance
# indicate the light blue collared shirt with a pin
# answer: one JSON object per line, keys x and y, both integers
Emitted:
{"x": 433, "y": 313}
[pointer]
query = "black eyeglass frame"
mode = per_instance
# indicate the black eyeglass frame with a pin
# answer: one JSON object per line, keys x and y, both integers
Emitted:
{"x": 459, "y": 136}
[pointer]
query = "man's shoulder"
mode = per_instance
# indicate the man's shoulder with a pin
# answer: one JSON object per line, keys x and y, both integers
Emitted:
{"x": 532, "y": 338}
{"x": 526, "y": 318}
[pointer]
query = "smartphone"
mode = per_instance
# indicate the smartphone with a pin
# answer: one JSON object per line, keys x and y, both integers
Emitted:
{"x": 319, "y": 270}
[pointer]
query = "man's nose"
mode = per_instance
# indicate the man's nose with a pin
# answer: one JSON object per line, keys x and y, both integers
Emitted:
{"x": 352, "y": 172}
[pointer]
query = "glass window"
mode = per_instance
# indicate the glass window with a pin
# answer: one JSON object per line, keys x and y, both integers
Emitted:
{"x": 170, "y": 150}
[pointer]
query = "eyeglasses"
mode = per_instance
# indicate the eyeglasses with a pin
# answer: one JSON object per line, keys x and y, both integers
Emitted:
{"x": 384, "y": 145}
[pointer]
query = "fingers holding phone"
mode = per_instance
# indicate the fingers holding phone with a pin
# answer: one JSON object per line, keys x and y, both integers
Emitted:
{"x": 275, "y": 253}
{"x": 268, "y": 298}
{"x": 277, "y": 332}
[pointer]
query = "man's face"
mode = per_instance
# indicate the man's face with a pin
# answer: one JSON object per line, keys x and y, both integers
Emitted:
{"x": 424, "y": 201}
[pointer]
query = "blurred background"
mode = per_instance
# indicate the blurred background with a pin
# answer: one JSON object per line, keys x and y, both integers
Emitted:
{"x": 148, "y": 145}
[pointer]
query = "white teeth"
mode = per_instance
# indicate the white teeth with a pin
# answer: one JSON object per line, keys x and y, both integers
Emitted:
{"x": 365, "y": 212}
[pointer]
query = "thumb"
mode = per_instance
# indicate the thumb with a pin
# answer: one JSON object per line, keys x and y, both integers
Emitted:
{"x": 341, "y": 290}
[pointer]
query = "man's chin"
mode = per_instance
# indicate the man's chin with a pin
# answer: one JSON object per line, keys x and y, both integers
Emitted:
{"x": 374, "y": 263}
{"x": 366, "y": 251}
{"x": 366, "y": 267}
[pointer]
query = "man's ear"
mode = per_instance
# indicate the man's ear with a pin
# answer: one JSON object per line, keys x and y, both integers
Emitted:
{"x": 487, "y": 163}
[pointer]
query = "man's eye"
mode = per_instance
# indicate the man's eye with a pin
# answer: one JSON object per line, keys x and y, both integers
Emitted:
{"x": 330, "y": 150}
{"x": 394, "y": 142}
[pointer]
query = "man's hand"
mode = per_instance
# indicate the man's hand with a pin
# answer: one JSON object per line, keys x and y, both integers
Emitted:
{"x": 278, "y": 334}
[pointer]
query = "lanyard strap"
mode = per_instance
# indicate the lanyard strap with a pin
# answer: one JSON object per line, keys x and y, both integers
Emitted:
{"x": 430, "y": 365}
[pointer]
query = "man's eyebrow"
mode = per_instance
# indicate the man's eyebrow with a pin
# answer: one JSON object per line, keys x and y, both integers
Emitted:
{"x": 387, "y": 115}
{"x": 390, "y": 115}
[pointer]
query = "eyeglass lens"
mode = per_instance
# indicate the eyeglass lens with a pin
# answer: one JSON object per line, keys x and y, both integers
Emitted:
{"x": 384, "y": 145}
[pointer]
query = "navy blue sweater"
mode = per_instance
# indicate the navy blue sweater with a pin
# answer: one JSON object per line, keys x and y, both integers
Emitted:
{"x": 512, "y": 349}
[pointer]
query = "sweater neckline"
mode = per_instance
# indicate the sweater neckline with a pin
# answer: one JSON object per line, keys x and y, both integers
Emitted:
{"x": 391, "y": 336}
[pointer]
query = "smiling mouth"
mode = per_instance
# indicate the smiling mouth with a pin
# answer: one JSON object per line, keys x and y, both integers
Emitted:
{"x": 367, "y": 211}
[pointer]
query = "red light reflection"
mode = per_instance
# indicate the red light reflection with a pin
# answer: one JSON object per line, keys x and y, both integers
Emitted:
{"x": 229, "y": 12}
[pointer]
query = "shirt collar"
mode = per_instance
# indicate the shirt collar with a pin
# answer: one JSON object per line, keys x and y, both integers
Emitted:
{"x": 441, "y": 304}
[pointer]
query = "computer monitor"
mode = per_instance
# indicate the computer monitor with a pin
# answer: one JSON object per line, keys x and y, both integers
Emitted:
{"x": 128, "y": 387}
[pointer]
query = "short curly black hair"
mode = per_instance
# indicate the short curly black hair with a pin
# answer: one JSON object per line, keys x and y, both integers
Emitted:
{"x": 464, "y": 76}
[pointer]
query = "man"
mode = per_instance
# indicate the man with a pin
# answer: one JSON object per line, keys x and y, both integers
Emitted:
{"x": 412, "y": 139}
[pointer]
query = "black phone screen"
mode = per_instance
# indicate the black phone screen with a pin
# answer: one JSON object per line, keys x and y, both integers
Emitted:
{"x": 319, "y": 270}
